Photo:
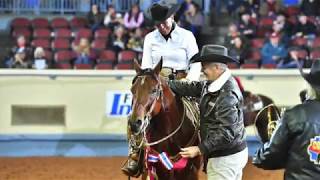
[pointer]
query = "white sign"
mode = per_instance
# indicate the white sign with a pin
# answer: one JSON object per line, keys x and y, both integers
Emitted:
{"x": 118, "y": 103}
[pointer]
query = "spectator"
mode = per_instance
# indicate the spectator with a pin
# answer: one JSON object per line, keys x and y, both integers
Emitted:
{"x": 310, "y": 7}
{"x": 134, "y": 18}
{"x": 239, "y": 50}
{"x": 285, "y": 25}
{"x": 305, "y": 29}
{"x": 246, "y": 26}
{"x": 194, "y": 19}
{"x": 232, "y": 34}
{"x": 180, "y": 14}
{"x": 273, "y": 51}
{"x": 40, "y": 61}
{"x": 20, "y": 55}
{"x": 269, "y": 8}
{"x": 118, "y": 40}
{"x": 279, "y": 29}
{"x": 83, "y": 52}
{"x": 252, "y": 5}
{"x": 112, "y": 18}
{"x": 135, "y": 43}
{"x": 95, "y": 17}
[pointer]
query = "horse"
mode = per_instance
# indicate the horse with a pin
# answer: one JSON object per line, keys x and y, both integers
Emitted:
{"x": 159, "y": 119}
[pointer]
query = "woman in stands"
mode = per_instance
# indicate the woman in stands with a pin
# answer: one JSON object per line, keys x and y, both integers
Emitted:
{"x": 39, "y": 59}
{"x": 134, "y": 18}
{"x": 20, "y": 55}
{"x": 83, "y": 52}
{"x": 118, "y": 40}
{"x": 176, "y": 46}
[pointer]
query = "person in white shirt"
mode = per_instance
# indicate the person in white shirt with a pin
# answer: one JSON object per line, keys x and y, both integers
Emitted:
{"x": 175, "y": 45}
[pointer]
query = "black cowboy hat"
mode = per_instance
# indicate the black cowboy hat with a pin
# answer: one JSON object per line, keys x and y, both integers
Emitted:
{"x": 313, "y": 78}
{"x": 213, "y": 53}
{"x": 161, "y": 11}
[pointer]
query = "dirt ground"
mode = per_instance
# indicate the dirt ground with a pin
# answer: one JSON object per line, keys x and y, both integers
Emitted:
{"x": 60, "y": 168}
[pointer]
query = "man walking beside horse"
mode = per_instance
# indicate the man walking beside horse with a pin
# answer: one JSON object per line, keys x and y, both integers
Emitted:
{"x": 222, "y": 129}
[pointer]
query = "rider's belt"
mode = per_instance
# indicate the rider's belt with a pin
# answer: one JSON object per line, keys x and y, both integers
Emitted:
{"x": 178, "y": 74}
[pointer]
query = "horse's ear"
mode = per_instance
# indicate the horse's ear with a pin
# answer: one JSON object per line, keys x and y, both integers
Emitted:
{"x": 158, "y": 68}
{"x": 136, "y": 66}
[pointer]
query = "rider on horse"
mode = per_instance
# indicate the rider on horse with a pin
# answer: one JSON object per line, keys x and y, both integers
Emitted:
{"x": 175, "y": 46}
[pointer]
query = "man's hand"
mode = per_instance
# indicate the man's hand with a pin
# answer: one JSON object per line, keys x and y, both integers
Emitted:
{"x": 190, "y": 152}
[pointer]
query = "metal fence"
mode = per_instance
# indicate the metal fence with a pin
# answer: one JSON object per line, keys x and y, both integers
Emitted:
{"x": 60, "y": 6}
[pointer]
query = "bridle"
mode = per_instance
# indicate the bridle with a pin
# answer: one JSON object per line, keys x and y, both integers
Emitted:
{"x": 147, "y": 119}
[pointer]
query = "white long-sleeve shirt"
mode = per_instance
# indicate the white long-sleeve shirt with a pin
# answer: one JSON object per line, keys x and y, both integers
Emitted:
{"x": 176, "y": 52}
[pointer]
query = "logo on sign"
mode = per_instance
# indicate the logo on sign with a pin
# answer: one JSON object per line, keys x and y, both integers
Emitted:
{"x": 118, "y": 103}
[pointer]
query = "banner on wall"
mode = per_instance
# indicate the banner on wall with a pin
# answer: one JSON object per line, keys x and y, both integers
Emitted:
{"x": 118, "y": 103}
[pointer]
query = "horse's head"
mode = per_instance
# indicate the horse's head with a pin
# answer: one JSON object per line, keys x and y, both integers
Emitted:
{"x": 147, "y": 94}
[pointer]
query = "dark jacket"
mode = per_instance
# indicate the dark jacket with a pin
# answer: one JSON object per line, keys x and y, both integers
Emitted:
{"x": 306, "y": 29}
{"x": 95, "y": 19}
{"x": 221, "y": 117}
{"x": 289, "y": 147}
{"x": 310, "y": 8}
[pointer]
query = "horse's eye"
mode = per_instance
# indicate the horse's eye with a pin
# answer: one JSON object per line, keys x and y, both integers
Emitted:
{"x": 154, "y": 91}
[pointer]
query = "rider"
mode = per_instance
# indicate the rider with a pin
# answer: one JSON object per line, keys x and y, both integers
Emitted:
{"x": 175, "y": 46}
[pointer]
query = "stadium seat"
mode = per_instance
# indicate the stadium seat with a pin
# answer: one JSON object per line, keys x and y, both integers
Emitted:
{"x": 21, "y": 32}
{"x": 63, "y": 34}
{"x": 20, "y": 23}
{"x": 316, "y": 43}
{"x": 255, "y": 55}
{"x": 44, "y": 43}
{"x": 263, "y": 32}
{"x": 107, "y": 56}
{"x": 293, "y": 20}
{"x": 265, "y": 22}
{"x": 48, "y": 55}
{"x": 60, "y": 44}
{"x": 42, "y": 33}
{"x": 82, "y": 66}
{"x": 63, "y": 59}
{"x": 292, "y": 11}
{"x": 99, "y": 44}
{"x": 269, "y": 66}
{"x": 84, "y": 33}
{"x": 40, "y": 23}
{"x": 257, "y": 43}
{"x": 233, "y": 66}
{"x": 249, "y": 66}
{"x": 300, "y": 41}
{"x": 104, "y": 66}
{"x": 59, "y": 23}
{"x": 78, "y": 22}
{"x": 63, "y": 66}
{"x": 126, "y": 56}
{"x": 315, "y": 55}
{"x": 102, "y": 33}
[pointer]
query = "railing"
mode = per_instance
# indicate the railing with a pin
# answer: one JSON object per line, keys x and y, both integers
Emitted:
{"x": 61, "y": 6}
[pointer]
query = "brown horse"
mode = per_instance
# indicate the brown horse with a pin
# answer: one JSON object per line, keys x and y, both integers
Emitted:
{"x": 159, "y": 119}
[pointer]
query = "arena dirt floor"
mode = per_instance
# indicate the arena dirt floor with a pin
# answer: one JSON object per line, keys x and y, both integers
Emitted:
{"x": 59, "y": 168}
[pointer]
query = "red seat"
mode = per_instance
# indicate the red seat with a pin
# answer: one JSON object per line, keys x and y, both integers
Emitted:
{"x": 83, "y": 66}
{"x": 257, "y": 43}
{"x": 316, "y": 43}
{"x": 102, "y": 33}
{"x": 127, "y": 56}
{"x": 300, "y": 41}
{"x": 99, "y": 44}
{"x": 42, "y": 34}
{"x": 269, "y": 66}
{"x": 263, "y": 32}
{"x": 21, "y": 32}
{"x": 60, "y": 44}
{"x": 44, "y": 43}
{"x": 104, "y": 66}
{"x": 255, "y": 55}
{"x": 84, "y": 33}
{"x": 59, "y": 23}
{"x": 63, "y": 33}
{"x": 292, "y": 11}
{"x": 40, "y": 23}
{"x": 124, "y": 66}
{"x": 48, "y": 55}
{"x": 315, "y": 55}
{"x": 107, "y": 56}
{"x": 293, "y": 20}
{"x": 233, "y": 66}
{"x": 20, "y": 23}
{"x": 303, "y": 54}
{"x": 63, "y": 56}
{"x": 250, "y": 66}
{"x": 266, "y": 22}
{"x": 78, "y": 22}
{"x": 64, "y": 66}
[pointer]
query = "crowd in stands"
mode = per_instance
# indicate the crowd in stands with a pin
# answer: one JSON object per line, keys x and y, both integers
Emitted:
{"x": 264, "y": 33}
{"x": 270, "y": 34}
{"x": 101, "y": 40}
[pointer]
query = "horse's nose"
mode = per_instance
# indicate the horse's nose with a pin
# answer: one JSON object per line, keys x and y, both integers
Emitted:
{"x": 136, "y": 125}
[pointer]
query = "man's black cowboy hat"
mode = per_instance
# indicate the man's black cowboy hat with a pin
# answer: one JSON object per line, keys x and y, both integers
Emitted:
{"x": 161, "y": 11}
{"x": 313, "y": 78}
{"x": 213, "y": 53}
